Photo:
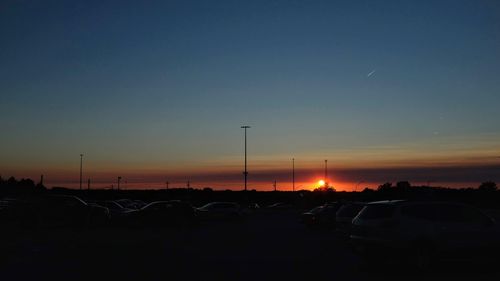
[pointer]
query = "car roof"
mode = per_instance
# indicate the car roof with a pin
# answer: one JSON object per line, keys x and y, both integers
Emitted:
{"x": 389, "y": 202}
{"x": 407, "y": 202}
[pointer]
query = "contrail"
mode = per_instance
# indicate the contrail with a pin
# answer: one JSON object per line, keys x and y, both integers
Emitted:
{"x": 371, "y": 73}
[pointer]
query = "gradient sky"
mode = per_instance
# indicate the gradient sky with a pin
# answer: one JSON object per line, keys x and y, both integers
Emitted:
{"x": 157, "y": 90}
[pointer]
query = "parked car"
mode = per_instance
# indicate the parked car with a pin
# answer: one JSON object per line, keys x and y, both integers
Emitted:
{"x": 344, "y": 216}
{"x": 162, "y": 213}
{"x": 423, "y": 232}
{"x": 279, "y": 206}
{"x": 253, "y": 206}
{"x": 65, "y": 210}
{"x": 321, "y": 216}
{"x": 139, "y": 203}
{"x": 220, "y": 211}
{"x": 131, "y": 204}
{"x": 115, "y": 209}
{"x": 16, "y": 213}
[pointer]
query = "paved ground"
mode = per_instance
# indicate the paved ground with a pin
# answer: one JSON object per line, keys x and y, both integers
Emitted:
{"x": 264, "y": 247}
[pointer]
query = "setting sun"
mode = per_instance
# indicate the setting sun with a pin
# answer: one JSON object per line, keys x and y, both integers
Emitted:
{"x": 321, "y": 183}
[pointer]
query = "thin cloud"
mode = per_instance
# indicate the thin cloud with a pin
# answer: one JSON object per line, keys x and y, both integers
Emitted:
{"x": 371, "y": 73}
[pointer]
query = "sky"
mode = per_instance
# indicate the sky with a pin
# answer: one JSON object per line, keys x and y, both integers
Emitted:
{"x": 157, "y": 91}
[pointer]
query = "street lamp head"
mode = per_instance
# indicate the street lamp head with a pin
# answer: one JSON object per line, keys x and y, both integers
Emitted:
{"x": 245, "y": 127}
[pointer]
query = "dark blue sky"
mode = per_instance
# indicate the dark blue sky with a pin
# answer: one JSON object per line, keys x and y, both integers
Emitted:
{"x": 165, "y": 85}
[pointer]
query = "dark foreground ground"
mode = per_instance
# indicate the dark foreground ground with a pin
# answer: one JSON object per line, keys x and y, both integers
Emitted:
{"x": 264, "y": 247}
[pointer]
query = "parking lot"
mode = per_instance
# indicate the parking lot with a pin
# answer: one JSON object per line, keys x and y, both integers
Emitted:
{"x": 271, "y": 246}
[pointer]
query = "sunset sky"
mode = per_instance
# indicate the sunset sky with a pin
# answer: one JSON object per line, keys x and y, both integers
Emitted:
{"x": 158, "y": 90}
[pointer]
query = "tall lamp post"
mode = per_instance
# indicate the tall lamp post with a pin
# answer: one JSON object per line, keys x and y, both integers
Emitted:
{"x": 326, "y": 173}
{"x": 245, "y": 172}
{"x": 81, "y": 164}
{"x": 293, "y": 174}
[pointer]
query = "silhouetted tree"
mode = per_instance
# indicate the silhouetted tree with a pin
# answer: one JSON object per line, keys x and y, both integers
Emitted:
{"x": 26, "y": 183}
{"x": 367, "y": 190}
{"x": 488, "y": 186}
{"x": 385, "y": 186}
{"x": 403, "y": 185}
{"x": 325, "y": 189}
{"x": 11, "y": 182}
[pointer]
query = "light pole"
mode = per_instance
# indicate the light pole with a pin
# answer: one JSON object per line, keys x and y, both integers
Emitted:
{"x": 245, "y": 172}
{"x": 326, "y": 173}
{"x": 118, "y": 183}
{"x": 293, "y": 174}
{"x": 81, "y": 164}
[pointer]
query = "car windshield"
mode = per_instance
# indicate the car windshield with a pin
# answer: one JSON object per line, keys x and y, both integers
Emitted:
{"x": 316, "y": 210}
{"x": 111, "y": 205}
{"x": 377, "y": 211}
{"x": 69, "y": 201}
{"x": 419, "y": 211}
{"x": 209, "y": 206}
{"x": 151, "y": 205}
{"x": 350, "y": 210}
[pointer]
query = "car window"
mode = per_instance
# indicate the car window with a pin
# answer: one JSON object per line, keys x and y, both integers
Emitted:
{"x": 350, "y": 210}
{"x": 377, "y": 211}
{"x": 108, "y": 205}
{"x": 449, "y": 213}
{"x": 474, "y": 216}
{"x": 420, "y": 211}
{"x": 317, "y": 210}
{"x": 113, "y": 205}
{"x": 460, "y": 214}
{"x": 69, "y": 202}
{"x": 154, "y": 206}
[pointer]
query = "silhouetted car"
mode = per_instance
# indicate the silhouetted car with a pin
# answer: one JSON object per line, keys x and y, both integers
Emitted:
{"x": 163, "y": 213}
{"x": 220, "y": 210}
{"x": 253, "y": 206}
{"x": 321, "y": 216}
{"x": 424, "y": 231}
{"x": 63, "y": 210}
{"x": 139, "y": 203}
{"x": 131, "y": 204}
{"x": 16, "y": 213}
{"x": 345, "y": 214}
{"x": 280, "y": 206}
{"x": 115, "y": 209}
